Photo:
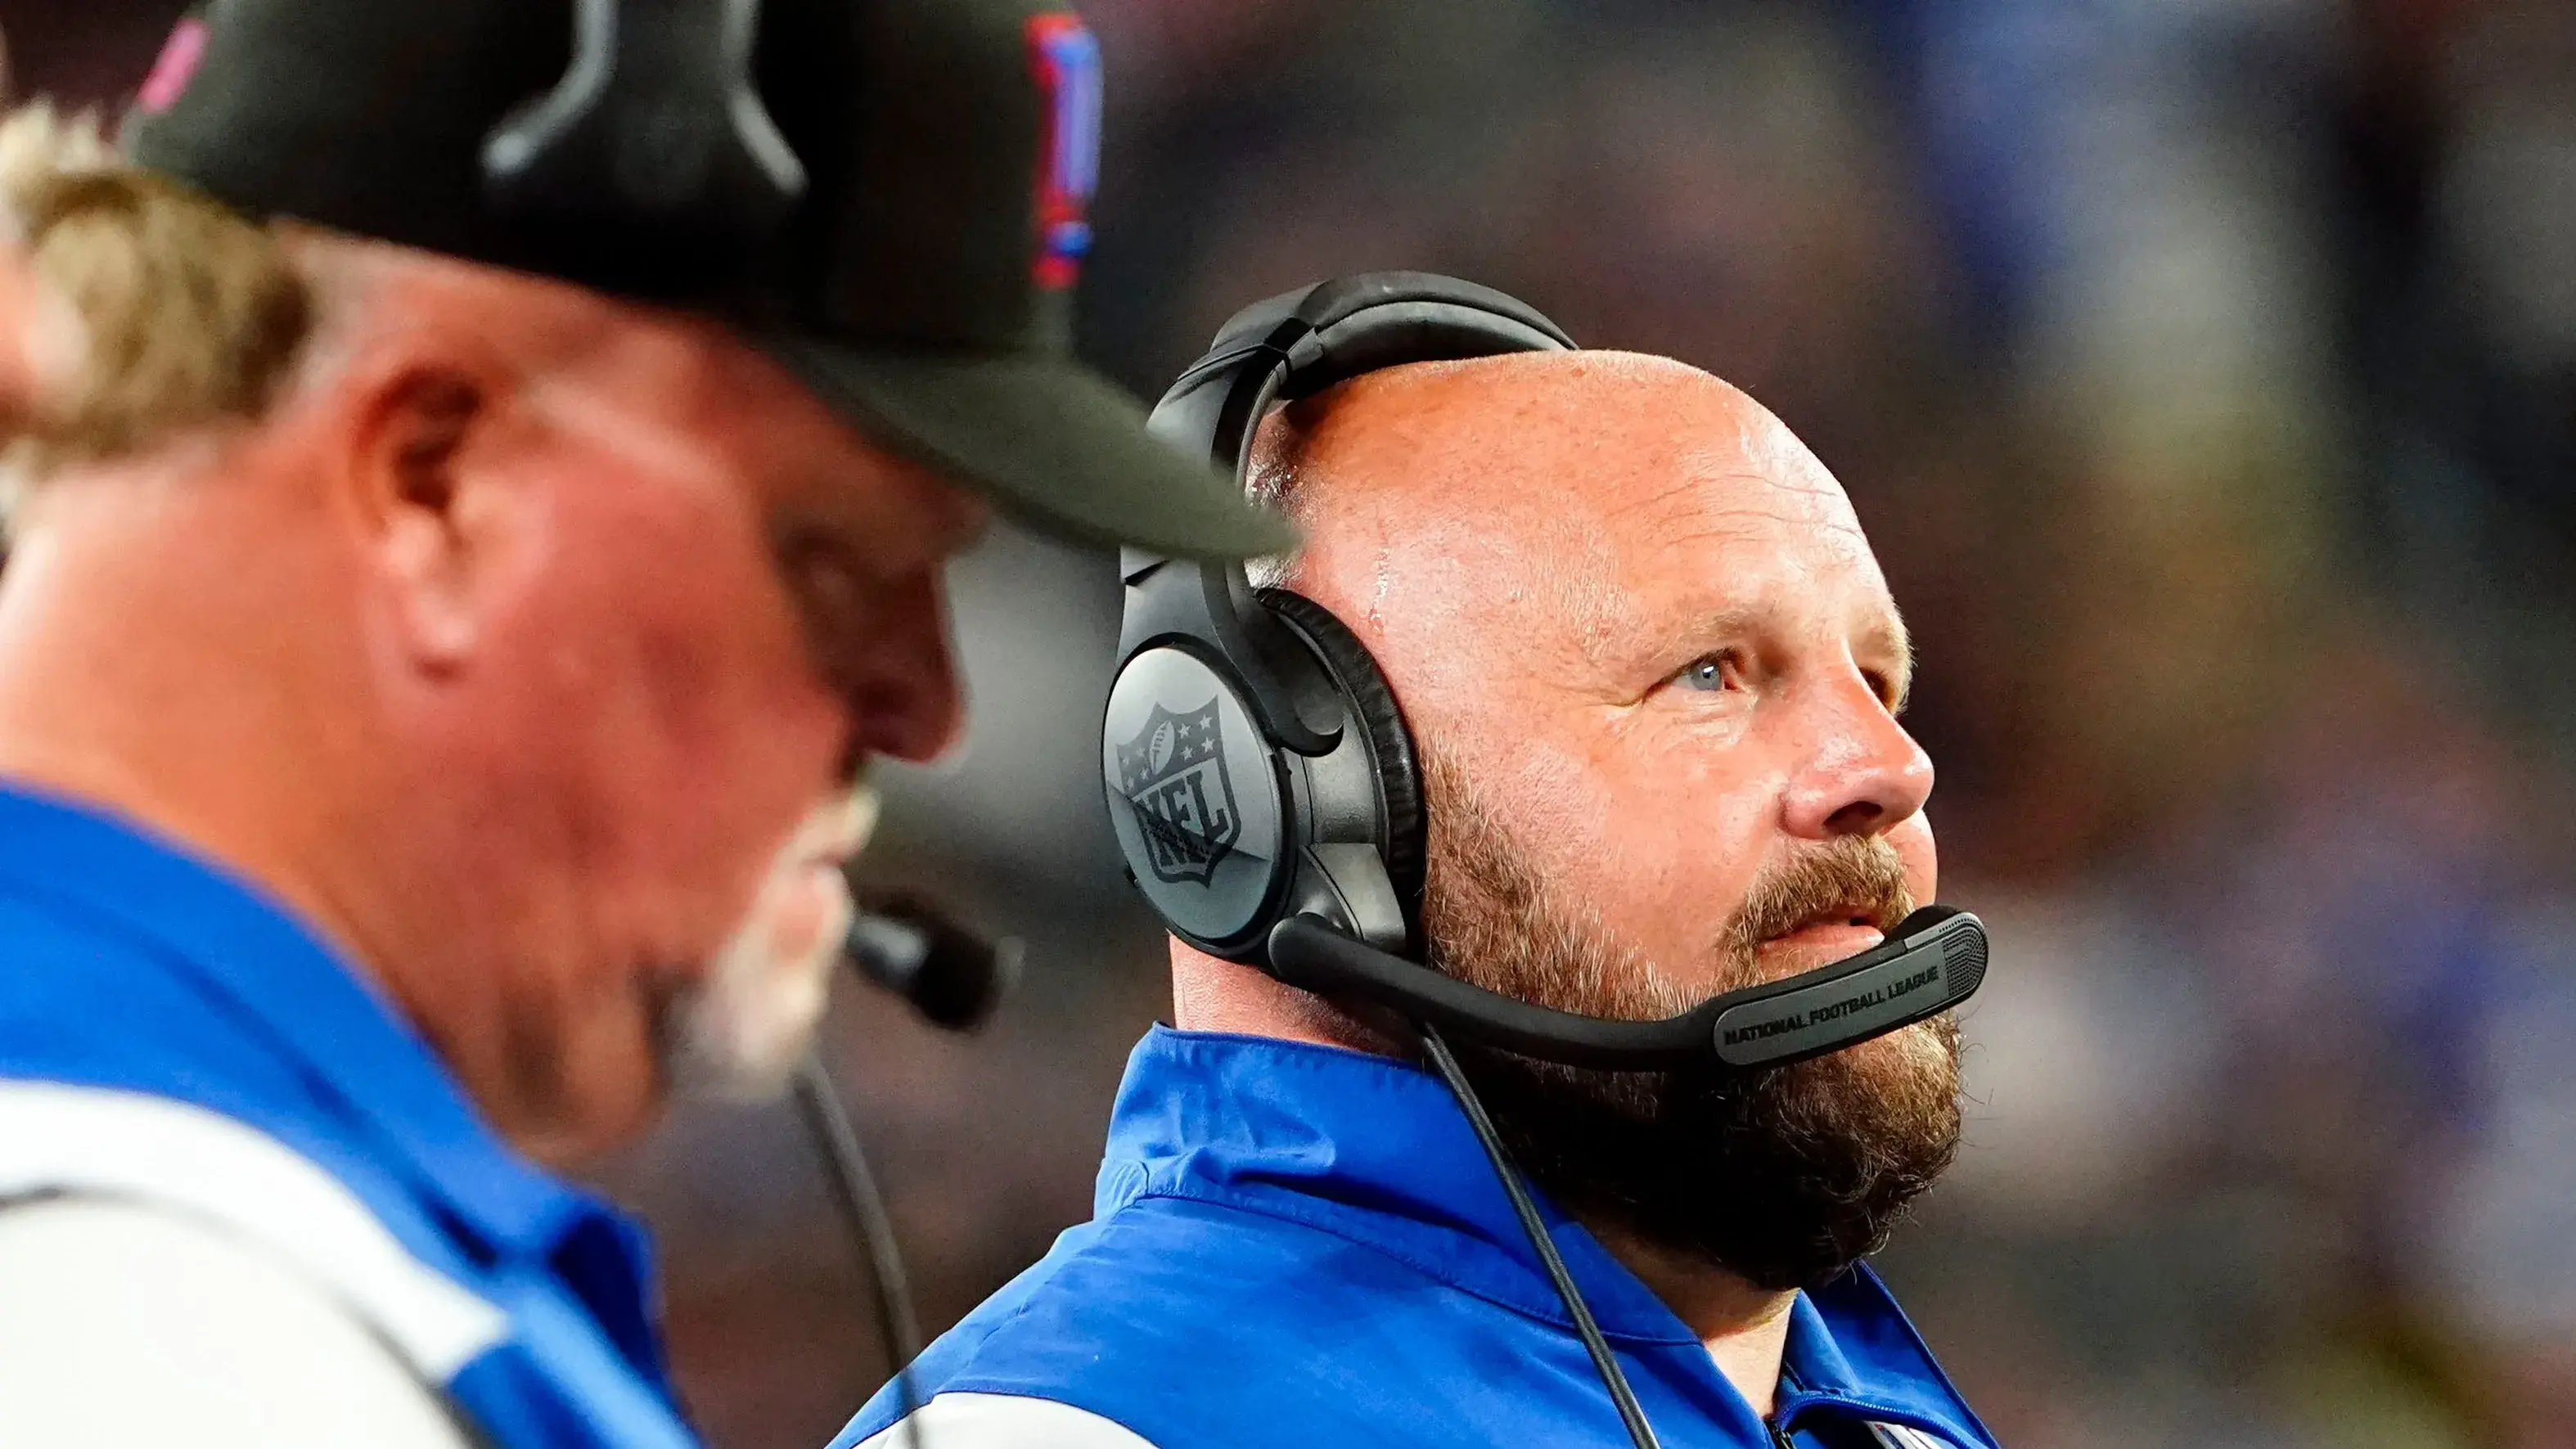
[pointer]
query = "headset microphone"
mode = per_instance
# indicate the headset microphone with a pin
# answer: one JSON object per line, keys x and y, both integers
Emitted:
{"x": 952, "y": 975}
{"x": 1931, "y": 961}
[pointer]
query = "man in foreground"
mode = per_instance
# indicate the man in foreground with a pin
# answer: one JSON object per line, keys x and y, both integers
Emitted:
{"x": 434, "y": 693}
{"x": 1653, "y": 676}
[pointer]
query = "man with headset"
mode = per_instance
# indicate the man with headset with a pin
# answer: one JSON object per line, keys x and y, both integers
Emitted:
{"x": 1572, "y": 730}
{"x": 479, "y": 478}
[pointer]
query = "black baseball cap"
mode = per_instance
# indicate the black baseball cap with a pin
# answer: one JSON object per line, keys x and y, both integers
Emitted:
{"x": 885, "y": 195}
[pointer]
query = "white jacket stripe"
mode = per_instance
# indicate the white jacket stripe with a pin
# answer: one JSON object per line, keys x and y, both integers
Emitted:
{"x": 1004, "y": 1421}
{"x": 64, "y": 1140}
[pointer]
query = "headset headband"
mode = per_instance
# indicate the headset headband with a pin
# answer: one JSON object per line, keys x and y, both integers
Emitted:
{"x": 657, "y": 122}
{"x": 1299, "y": 343}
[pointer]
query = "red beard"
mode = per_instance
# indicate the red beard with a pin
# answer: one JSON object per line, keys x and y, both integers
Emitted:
{"x": 1784, "y": 1176}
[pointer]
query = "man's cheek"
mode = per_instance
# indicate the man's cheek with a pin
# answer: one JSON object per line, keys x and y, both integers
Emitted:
{"x": 1669, "y": 877}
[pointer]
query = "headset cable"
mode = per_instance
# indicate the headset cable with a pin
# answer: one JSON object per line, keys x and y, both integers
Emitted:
{"x": 1641, "y": 1434}
{"x": 863, "y": 1209}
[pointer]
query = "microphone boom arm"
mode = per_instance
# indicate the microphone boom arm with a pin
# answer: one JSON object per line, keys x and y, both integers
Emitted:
{"x": 1933, "y": 960}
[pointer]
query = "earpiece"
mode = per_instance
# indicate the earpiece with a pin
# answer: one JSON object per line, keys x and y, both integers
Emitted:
{"x": 1373, "y": 711}
{"x": 1257, "y": 766}
{"x": 1266, "y": 792}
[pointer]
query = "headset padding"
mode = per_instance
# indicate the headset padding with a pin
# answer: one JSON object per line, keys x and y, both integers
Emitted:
{"x": 1390, "y": 744}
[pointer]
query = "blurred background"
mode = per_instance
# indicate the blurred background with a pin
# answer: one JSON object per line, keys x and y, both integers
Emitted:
{"x": 2205, "y": 371}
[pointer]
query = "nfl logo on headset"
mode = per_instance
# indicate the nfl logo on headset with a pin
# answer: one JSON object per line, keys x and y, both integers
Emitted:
{"x": 1065, "y": 61}
{"x": 1173, "y": 775}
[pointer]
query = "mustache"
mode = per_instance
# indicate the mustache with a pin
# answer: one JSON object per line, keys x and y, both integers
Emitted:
{"x": 1848, "y": 875}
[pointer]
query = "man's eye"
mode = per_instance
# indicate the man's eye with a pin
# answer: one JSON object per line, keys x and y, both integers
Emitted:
{"x": 831, "y": 605}
{"x": 1712, "y": 673}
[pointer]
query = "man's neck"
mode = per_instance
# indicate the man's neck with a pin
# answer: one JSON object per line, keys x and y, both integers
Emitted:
{"x": 1744, "y": 1328}
{"x": 114, "y": 692}
{"x": 1220, "y": 996}
{"x": 238, "y": 717}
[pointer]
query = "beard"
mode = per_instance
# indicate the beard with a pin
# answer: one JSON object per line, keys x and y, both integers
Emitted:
{"x": 1782, "y": 1176}
{"x": 738, "y": 1032}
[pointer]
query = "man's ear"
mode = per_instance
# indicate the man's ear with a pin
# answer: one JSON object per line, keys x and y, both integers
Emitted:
{"x": 420, "y": 428}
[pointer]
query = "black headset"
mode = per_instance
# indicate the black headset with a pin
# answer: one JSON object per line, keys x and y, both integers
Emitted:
{"x": 1265, "y": 790}
{"x": 657, "y": 125}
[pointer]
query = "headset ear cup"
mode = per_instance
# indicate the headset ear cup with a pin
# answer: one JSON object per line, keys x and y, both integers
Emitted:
{"x": 1390, "y": 744}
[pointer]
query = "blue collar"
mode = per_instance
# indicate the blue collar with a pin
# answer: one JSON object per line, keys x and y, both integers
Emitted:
{"x": 305, "y": 1004}
{"x": 1376, "y": 1151}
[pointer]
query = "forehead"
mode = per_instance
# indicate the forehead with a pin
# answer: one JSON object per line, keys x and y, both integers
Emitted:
{"x": 1584, "y": 516}
{"x": 1723, "y": 478}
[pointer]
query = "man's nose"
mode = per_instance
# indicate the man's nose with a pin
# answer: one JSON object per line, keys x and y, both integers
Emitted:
{"x": 905, "y": 701}
{"x": 1863, "y": 774}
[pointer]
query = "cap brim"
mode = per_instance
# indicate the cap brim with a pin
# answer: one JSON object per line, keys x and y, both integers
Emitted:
{"x": 1053, "y": 443}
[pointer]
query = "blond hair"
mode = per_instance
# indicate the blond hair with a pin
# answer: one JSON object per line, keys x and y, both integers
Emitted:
{"x": 187, "y": 315}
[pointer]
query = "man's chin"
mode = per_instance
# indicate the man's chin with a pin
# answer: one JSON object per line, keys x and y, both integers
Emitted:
{"x": 1784, "y": 1178}
{"x": 732, "y": 1039}
{"x": 739, "y": 1030}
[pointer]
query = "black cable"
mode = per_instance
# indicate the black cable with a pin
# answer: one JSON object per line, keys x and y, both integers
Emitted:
{"x": 854, "y": 1190}
{"x": 1631, "y": 1413}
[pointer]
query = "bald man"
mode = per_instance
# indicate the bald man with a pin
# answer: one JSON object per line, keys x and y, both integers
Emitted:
{"x": 1654, "y": 675}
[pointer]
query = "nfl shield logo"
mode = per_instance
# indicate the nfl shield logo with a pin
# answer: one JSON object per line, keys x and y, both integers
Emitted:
{"x": 1173, "y": 775}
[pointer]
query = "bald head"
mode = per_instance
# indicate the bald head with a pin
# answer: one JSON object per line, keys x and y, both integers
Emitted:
{"x": 1632, "y": 622}
{"x": 1568, "y": 503}
{"x": 1555, "y": 461}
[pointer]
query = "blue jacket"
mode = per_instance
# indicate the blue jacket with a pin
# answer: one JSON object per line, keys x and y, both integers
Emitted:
{"x": 1295, "y": 1246}
{"x": 168, "y": 1034}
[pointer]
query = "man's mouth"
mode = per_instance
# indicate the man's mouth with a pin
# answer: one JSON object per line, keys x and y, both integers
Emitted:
{"x": 1828, "y": 935}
